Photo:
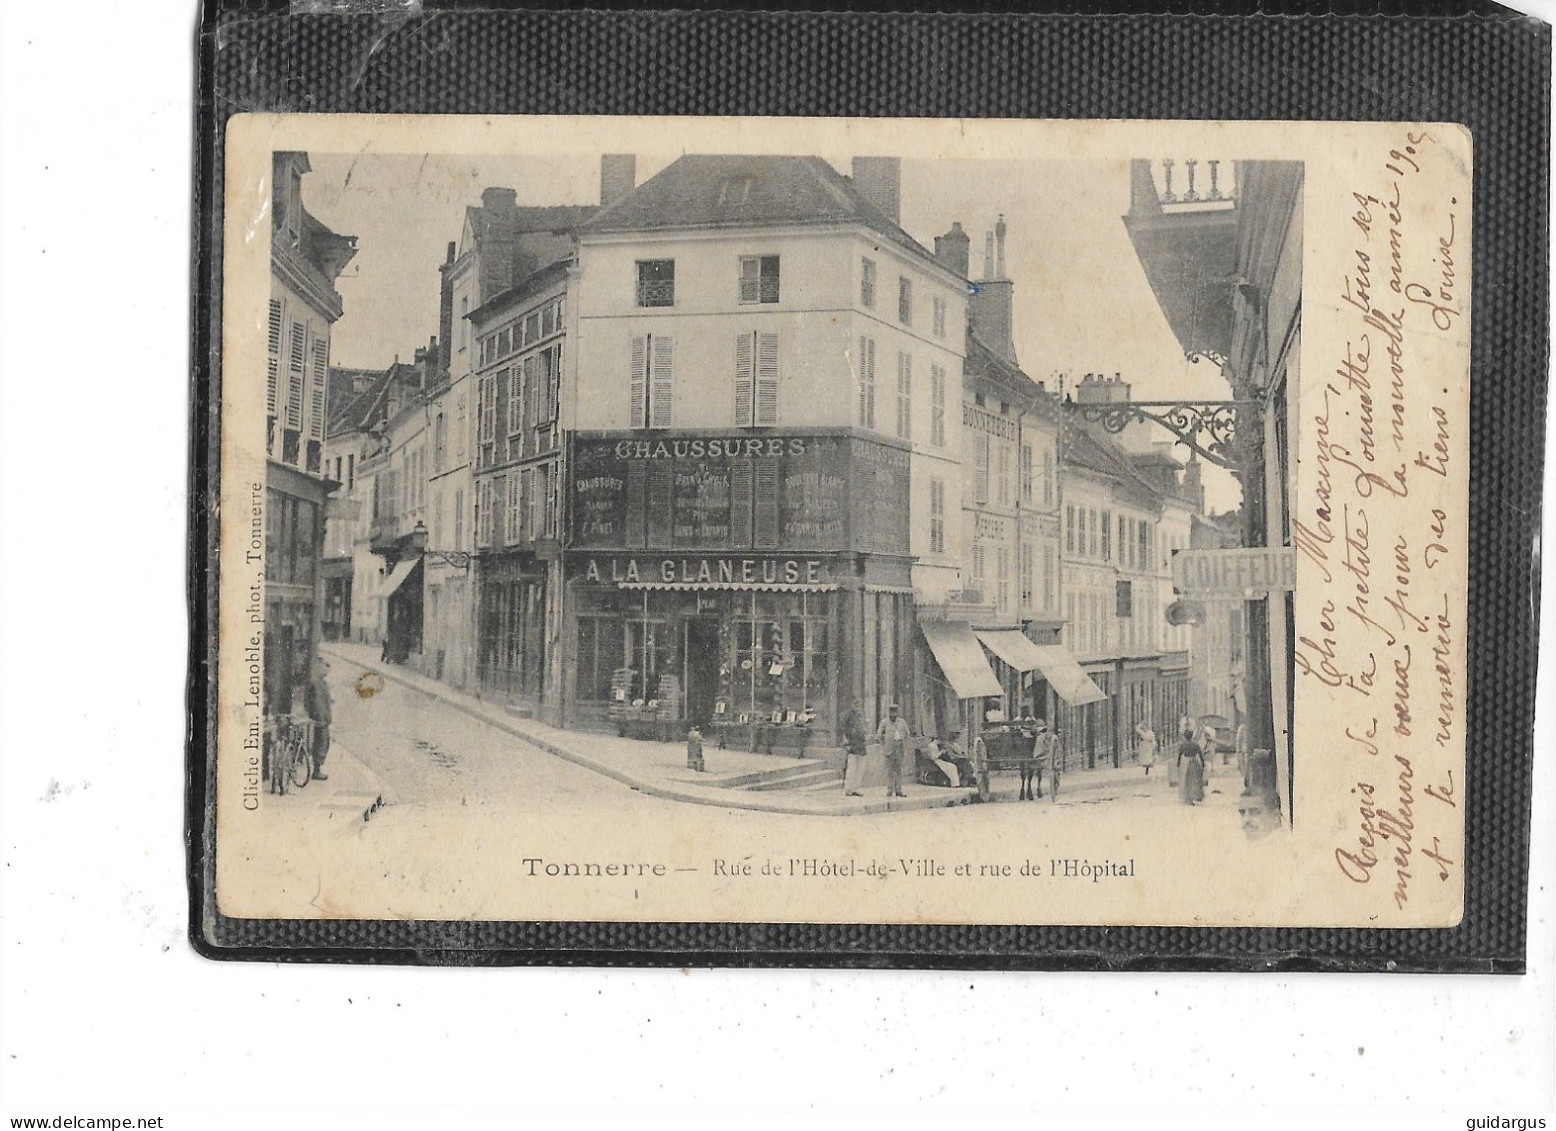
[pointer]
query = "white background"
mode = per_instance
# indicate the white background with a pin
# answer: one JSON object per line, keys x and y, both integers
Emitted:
{"x": 105, "y": 1010}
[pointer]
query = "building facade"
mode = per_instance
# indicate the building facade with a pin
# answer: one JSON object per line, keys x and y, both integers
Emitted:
{"x": 999, "y": 632}
{"x": 362, "y": 402}
{"x": 1128, "y": 507}
{"x": 765, "y": 397}
{"x": 1191, "y": 243}
{"x": 521, "y": 349}
{"x": 305, "y": 260}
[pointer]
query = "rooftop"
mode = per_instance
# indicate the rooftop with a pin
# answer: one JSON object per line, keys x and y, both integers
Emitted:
{"x": 718, "y": 191}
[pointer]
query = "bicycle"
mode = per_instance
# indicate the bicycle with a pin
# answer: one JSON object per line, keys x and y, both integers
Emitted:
{"x": 291, "y": 753}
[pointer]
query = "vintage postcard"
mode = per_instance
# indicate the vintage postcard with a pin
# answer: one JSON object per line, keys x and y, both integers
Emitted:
{"x": 843, "y": 521}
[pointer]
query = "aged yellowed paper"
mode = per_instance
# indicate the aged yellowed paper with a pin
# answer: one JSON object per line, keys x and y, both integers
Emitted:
{"x": 843, "y": 520}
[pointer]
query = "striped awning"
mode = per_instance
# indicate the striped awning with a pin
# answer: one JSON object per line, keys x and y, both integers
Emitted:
{"x": 1065, "y": 676}
{"x": 1013, "y": 647}
{"x": 961, "y": 659}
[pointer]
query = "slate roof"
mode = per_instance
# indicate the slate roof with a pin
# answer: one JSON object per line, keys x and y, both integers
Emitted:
{"x": 1083, "y": 449}
{"x": 717, "y": 191}
{"x": 352, "y": 411}
{"x": 529, "y": 218}
{"x": 982, "y": 362}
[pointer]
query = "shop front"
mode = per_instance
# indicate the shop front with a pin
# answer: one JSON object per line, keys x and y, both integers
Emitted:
{"x": 743, "y": 648}
{"x": 750, "y": 585}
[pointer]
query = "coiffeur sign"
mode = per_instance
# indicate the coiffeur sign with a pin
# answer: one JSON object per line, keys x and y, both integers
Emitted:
{"x": 1232, "y": 573}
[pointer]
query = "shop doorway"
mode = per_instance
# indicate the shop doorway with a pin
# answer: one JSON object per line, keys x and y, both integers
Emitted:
{"x": 702, "y": 668}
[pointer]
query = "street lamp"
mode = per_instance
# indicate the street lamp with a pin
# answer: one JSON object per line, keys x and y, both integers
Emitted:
{"x": 458, "y": 559}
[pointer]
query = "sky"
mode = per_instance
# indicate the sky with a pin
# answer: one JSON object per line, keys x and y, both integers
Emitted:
{"x": 1082, "y": 303}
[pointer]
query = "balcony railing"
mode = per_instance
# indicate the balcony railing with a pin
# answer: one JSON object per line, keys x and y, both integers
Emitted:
{"x": 1183, "y": 184}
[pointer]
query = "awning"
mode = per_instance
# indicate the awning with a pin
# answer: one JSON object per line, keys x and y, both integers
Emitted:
{"x": 1013, "y": 647}
{"x": 730, "y": 586}
{"x": 402, "y": 570}
{"x": 1064, "y": 675}
{"x": 961, "y": 659}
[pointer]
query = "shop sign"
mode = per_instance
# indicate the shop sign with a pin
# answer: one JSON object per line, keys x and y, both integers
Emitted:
{"x": 695, "y": 571}
{"x": 668, "y": 492}
{"x": 1232, "y": 573}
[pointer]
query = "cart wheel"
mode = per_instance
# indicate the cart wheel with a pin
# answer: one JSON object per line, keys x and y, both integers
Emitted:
{"x": 302, "y": 765}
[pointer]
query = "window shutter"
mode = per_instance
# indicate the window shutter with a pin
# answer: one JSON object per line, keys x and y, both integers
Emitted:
{"x": 981, "y": 467}
{"x": 767, "y": 380}
{"x": 864, "y": 416}
{"x": 662, "y": 374}
{"x": 321, "y": 379}
{"x": 766, "y": 492}
{"x": 904, "y": 393}
{"x": 273, "y": 370}
{"x": 869, "y": 369}
{"x": 514, "y": 499}
{"x": 294, "y": 376}
{"x": 639, "y": 381}
{"x": 745, "y": 380}
{"x": 553, "y": 383}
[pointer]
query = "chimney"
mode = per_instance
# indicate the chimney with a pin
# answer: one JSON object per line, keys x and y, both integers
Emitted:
{"x": 879, "y": 180}
{"x": 1099, "y": 388}
{"x": 1193, "y": 484}
{"x": 952, "y": 248}
{"x": 618, "y": 177}
{"x": 501, "y": 200}
{"x": 991, "y": 306}
{"x": 446, "y": 310}
{"x": 496, "y": 251}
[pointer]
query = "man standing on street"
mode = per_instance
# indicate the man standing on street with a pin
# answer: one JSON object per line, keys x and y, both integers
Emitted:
{"x": 894, "y": 733}
{"x": 854, "y": 741}
{"x": 319, "y": 709}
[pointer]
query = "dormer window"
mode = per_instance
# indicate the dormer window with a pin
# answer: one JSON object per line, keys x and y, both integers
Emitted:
{"x": 656, "y": 282}
{"x": 734, "y": 191}
{"x": 758, "y": 278}
{"x": 294, "y": 207}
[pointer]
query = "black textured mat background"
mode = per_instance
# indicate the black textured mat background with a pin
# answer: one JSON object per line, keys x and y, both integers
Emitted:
{"x": 1489, "y": 70}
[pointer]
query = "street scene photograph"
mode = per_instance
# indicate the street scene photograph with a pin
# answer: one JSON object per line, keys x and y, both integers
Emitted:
{"x": 636, "y": 525}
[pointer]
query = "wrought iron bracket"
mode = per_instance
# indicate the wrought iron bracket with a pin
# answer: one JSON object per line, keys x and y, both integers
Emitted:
{"x": 1210, "y": 428}
{"x": 459, "y": 559}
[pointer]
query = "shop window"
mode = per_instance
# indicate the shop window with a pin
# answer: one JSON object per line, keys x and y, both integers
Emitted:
{"x": 599, "y": 654}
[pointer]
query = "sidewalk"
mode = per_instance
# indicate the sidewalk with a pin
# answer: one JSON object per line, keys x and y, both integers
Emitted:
{"x": 735, "y": 779}
{"x": 351, "y": 793}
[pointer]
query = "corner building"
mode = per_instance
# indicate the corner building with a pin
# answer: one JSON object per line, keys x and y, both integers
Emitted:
{"x": 761, "y": 353}
{"x": 305, "y": 260}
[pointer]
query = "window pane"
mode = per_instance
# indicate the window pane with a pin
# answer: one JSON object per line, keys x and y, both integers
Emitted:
{"x": 656, "y": 282}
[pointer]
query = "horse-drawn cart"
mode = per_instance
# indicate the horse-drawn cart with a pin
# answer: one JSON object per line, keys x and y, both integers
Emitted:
{"x": 1012, "y": 746}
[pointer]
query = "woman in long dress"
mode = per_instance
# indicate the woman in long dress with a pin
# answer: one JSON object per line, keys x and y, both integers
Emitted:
{"x": 1147, "y": 747}
{"x": 1191, "y": 768}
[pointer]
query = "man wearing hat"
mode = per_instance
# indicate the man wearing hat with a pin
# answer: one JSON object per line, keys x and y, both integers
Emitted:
{"x": 893, "y": 732}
